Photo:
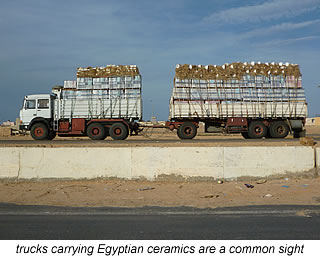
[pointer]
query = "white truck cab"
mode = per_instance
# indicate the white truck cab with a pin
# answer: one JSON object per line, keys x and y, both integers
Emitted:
{"x": 36, "y": 109}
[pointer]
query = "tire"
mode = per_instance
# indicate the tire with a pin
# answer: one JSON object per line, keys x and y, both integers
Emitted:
{"x": 245, "y": 135}
{"x": 296, "y": 135}
{"x": 279, "y": 129}
{"x": 96, "y": 131}
{"x": 257, "y": 130}
{"x": 39, "y": 131}
{"x": 118, "y": 131}
{"x": 187, "y": 130}
{"x": 299, "y": 134}
{"x": 52, "y": 135}
{"x": 268, "y": 136}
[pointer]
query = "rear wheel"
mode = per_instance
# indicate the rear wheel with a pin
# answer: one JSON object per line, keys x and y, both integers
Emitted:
{"x": 298, "y": 134}
{"x": 268, "y": 136}
{"x": 39, "y": 131}
{"x": 245, "y": 135}
{"x": 96, "y": 131}
{"x": 118, "y": 131}
{"x": 257, "y": 130}
{"x": 279, "y": 129}
{"x": 187, "y": 130}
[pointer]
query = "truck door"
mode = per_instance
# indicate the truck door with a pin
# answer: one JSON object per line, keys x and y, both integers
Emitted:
{"x": 29, "y": 111}
{"x": 43, "y": 108}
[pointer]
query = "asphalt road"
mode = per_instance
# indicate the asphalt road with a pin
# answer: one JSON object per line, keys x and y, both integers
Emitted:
{"x": 250, "y": 222}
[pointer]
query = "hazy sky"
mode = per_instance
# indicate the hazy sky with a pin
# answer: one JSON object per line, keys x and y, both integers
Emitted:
{"x": 43, "y": 42}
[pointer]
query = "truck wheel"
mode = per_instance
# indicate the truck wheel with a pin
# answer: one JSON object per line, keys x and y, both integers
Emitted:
{"x": 187, "y": 131}
{"x": 52, "y": 135}
{"x": 118, "y": 131}
{"x": 299, "y": 134}
{"x": 245, "y": 135}
{"x": 257, "y": 130}
{"x": 268, "y": 136}
{"x": 96, "y": 131}
{"x": 39, "y": 131}
{"x": 279, "y": 129}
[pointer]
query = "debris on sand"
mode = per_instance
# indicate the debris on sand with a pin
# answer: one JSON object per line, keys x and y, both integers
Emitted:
{"x": 262, "y": 181}
{"x": 307, "y": 141}
{"x": 210, "y": 196}
{"x": 146, "y": 188}
{"x": 250, "y": 186}
{"x": 43, "y": 194}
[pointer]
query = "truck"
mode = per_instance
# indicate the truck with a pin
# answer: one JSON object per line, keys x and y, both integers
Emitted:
{"x": 254, "y": 99}
{"x": 103, "y": 101}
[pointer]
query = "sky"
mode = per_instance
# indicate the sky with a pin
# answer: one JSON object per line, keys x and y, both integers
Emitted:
{"x": 44, "y": 41}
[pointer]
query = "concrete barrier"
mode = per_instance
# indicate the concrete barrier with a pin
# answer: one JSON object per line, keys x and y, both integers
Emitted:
{"x": 9, "y": 162}
{"x": 264, "y": 161}
{"x": 151, "y": 162}
{"x": 186, "y": 161}
{"x": 71, "y": 162}
{"x": 317, "y": 159}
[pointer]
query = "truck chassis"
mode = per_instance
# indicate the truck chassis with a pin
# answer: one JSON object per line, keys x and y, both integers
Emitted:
{"x": 120, "y": 129}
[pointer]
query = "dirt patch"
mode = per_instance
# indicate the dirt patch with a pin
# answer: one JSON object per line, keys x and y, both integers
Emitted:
{"x": 124, "y": 193}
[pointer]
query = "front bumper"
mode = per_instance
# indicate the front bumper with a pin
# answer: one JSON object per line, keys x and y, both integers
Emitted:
{"x": 23, "y": 127}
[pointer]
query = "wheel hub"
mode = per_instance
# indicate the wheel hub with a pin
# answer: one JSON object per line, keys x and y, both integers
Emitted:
{"x": 95, "y": 131}
{"x": 117, "y": 131}
{"x": 258, "y": 130}
{"x": 39, "y": 131}
{"x": 188, "y": 131}
{"x": 280, "y": 130}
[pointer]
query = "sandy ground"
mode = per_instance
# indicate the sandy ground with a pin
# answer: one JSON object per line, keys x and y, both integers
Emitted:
{"x": 124, "y": 193}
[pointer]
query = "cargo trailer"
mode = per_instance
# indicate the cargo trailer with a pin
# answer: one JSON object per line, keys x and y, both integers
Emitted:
{"x": 254, "y": 99}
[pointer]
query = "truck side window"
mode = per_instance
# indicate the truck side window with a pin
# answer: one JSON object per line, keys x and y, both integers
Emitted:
{"x": 43, "y": 103}
{"x": 30, "y": 104}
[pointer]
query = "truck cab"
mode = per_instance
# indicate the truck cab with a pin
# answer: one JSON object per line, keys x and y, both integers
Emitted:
{"x": 36, "y": 115}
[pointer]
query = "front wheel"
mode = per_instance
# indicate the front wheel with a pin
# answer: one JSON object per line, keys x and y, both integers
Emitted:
{"x": 52, "y": 135}
{"x": 39, "y": 131}
{"x": 118, "y": 131}
{"x": 187, "y": 130}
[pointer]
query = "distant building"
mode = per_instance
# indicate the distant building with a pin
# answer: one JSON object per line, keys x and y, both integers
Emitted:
{"x": 313, "y": 121}
{"x": 7, "y": 123}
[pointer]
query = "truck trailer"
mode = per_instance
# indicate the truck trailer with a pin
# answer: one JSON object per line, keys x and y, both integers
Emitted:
{"x": 255, "y": 99}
